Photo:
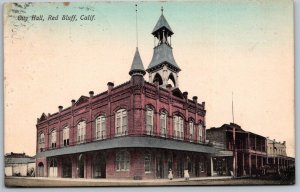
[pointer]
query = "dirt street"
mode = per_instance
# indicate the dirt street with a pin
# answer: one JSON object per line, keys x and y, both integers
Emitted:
{"x": 46, "y": 182}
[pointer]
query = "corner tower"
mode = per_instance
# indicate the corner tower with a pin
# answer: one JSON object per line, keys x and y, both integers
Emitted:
{"x": 163, "y": 67}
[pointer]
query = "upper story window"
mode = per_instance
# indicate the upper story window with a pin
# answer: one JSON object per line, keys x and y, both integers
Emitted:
{"x": 121, "y": 122}
{"x": 147, "y": 162}
{"x": 66, "y": 136}
{"x": 149, "y": 121}
{"x": 101, "y": 127}
{"x": 42, "y": 142}
{"x": 200, "y": 132}
{"x": 53, "y": 138}
{"x": 163, "y": 124}
{"x": 122, "y": 161}
{"x": 192, "y": 130}
{"x": 81, "y": 132}
{"x": 178, "y": 127}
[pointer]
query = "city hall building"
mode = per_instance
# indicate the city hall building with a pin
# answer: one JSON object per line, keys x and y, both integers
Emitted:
{"x": 137, "y": 130}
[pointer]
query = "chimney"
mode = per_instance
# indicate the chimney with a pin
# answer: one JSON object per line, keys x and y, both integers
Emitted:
{"x": 73, "y": 102}
{"x": 203, "y": 104}
{"x": 60, "y": 108}
{"x": 110, "y": 85}
{"x": 283, "y": 142}
{"x": 185, "y": 95}
{"x": 91, "y": 94}
{"x": 195, "y": 99}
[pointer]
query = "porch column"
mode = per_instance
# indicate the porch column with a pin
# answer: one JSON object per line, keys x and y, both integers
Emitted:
{"x": 211, "y": 166}
{"x": 249, "y": 164}
{"x": 243, "y": 164}
{"x": 256, "y": 161}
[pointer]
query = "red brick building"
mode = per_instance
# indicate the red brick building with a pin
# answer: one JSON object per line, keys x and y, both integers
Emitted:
{"x": 135, "y": 130}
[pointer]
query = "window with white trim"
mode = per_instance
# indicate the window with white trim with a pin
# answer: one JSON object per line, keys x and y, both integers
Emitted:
{"x": 163, "y": 124}
{"x": 42, "y": 142}
{"x": 178, "y": 127}
{"x": 122, "y": 161}
{"x": 101, "y": 127}
{"x": 147, "y": 162}
{"x": 81, "y": 131}
{"x": 192, "y": 131}
{"x": 121, "y": 122}
{"x": 53, "y": 138}
{"x": 200, "y": 133}
{"x": 149, "y": 121}
{"x": 66, "y": 136}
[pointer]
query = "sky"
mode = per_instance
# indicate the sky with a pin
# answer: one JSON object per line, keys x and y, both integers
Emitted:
{"x": 243, "y": 47}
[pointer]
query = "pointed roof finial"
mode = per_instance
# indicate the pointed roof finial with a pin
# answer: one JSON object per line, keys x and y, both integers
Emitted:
{"x": 136, "y": 26}
{"x": 162, "y": 10}
{"x": 137, "y": 67}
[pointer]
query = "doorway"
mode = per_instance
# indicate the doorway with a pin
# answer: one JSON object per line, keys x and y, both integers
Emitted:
{"x": 159, "y": 168}
{"x": 53, "y": 168}
{"x": 99, "y": 166}
{"x": 40, "y": 172}
{"x": 80, "y": 166}
{"x": 67, "y": 167}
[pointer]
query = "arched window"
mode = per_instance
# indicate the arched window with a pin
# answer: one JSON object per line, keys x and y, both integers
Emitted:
{"x": 101, "y": 127}
{"x": 163, "y": 124}
{"x": 200, "y": 133}
{"x": 171, "y": 80}
{"x": 121, "y": 122}
{"x": 42, "y": 142}
{"x": 66, "y": 136}
{"x": 81, "y": 132}
{"x": 147, "y": 162}
{"x": 149, "y": 121}
{"x": 192, "y": 131}
{"x": 158, "y": 78}
{"x": 53, "y": 138}
{"x": 122, "y": 161}
{"x": 178, "y": 127}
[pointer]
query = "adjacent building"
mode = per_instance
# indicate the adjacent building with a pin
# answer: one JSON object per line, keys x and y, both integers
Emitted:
{"x": 136, "y": 130}
{"x": 277, "y": 157}
{"x": 240, "y": 153}
{"x": 19, "y": 164}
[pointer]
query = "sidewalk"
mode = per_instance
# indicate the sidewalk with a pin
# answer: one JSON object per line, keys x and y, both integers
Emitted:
{"x": 105, "y": 180}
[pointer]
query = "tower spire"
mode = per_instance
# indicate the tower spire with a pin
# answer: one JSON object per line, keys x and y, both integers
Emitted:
{"x": 232, "y": 108}
{"x": 163, "y": 66}
{"x": 136, "y": 26}
{"x": 137, "y": 67}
